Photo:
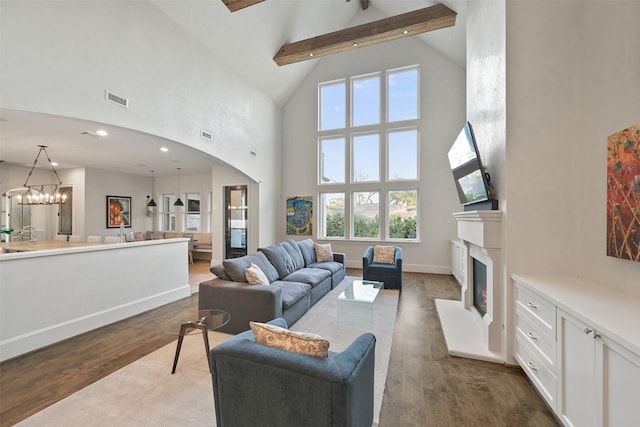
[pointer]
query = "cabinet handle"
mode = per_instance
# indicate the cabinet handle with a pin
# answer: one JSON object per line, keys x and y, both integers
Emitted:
{"x": 532, "y": 366}
{"x": 532, "y": 305}
{"x": 532, "y": 336}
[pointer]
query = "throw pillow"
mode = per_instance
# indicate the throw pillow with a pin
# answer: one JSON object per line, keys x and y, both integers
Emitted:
{"x": 384, "y": 254}
{"x": 323, "y": 252}
{"x": 284, "y": 339}
{"x": 255, "y": 275}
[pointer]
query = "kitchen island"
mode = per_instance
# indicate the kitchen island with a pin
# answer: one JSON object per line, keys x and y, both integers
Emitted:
{"x": 53, "y": 290}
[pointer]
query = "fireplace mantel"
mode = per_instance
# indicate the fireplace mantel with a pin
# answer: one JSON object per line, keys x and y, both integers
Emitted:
{"x": 482, "y": 228}
{"x": 468, "y": 334}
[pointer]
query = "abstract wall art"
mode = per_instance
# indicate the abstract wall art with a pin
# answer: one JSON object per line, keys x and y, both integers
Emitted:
{"x": 300, "y": 215}
{"x": 623, "y": 194}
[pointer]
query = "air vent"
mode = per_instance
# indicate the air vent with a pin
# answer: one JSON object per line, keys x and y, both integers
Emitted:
{"x": 112, "y": 97}
{"x": 206, "y": 135}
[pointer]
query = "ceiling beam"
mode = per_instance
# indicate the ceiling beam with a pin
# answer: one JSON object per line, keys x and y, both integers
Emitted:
{"x": 234, "y": 5}
{"x": 392, "y": 28}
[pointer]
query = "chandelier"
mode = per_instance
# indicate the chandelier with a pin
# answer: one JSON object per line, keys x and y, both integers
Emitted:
{"x": 42, "y": 194}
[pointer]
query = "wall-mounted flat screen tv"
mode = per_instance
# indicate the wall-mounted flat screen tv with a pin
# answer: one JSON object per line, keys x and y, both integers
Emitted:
{"x": 472, "y": 182}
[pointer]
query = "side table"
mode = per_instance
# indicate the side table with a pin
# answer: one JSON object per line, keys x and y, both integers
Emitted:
{"x": 209, "y": 320}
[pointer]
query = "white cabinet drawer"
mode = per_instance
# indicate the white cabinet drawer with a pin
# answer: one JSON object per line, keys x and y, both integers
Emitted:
{"x": 527, "y": 329}
{"x": 542, "y": 378}
{"x": 540, "y": 308}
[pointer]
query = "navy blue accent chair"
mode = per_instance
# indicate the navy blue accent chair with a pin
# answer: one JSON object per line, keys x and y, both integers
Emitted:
{"x": 390, "y": 274}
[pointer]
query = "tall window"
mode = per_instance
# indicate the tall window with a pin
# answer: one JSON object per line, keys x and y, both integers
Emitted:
{"x": 192, "y": 212}
{"x": 167, "y": 215}
{"x": 369, "y": 159}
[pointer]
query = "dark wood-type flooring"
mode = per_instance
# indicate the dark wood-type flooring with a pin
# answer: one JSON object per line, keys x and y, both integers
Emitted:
{"x": 425, "y": 386}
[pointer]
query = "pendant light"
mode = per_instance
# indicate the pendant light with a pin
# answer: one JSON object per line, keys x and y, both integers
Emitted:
{"x": 179, "y": 202}
{"x": 42, "y": 194}
{"x": 152, "y": 203}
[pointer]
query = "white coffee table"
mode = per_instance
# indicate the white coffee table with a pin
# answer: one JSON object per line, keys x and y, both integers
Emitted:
{"x": 356, "y": 303}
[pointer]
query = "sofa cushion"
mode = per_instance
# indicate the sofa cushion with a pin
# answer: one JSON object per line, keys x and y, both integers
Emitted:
{"x": 332, "y": 266}
{"x": 255, "y": 275}
{"x": 384, "y": 254}
{"x": 291, "y": 292}
{"x": 308, "y": 251}
{"x": 219, "y": 271}
{"x": 296, "y": 254}
{"x": 280, "y": 259}
{"x": 310, "y": 276}
{"x": 235, "y": 267}
{"x": 284, "y": 339}
{"x": 323, "y": 252}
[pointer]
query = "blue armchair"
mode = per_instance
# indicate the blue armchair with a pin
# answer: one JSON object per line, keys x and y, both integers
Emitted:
{"x": 257, "y": 385}
{"x": 390, "y": 274}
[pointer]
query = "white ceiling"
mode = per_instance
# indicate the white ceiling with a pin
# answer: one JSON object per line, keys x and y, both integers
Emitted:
{"x": 246, "y": 40}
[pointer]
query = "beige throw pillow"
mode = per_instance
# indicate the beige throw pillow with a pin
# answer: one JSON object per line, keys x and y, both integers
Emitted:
{"x": 384, "y": 254}
{"x": 255, "y": 275}
{"x": 323, "y": 252}
{"x": 284, "y": 339}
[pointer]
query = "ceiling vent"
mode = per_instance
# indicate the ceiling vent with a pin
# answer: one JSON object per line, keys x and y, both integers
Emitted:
{"x": 118, "y": 100}
{"x": 205, "y": 134}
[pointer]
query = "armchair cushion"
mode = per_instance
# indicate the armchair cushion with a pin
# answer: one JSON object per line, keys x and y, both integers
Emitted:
{"x": 284, "y": 339}
{"x": 384, "y": 254}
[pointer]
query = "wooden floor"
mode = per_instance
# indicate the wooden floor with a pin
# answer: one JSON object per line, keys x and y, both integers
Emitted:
{"x": 425, "y": 386}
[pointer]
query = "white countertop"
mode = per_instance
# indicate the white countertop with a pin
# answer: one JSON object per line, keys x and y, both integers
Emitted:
{"x": 613, "y": 313}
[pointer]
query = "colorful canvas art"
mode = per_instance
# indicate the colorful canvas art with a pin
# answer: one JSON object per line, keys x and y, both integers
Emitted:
{"x": 623, "y": 194}
{"x": 300, "y": 215}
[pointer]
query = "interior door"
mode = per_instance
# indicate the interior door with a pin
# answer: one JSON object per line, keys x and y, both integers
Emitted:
{"x": 235, "y": 221}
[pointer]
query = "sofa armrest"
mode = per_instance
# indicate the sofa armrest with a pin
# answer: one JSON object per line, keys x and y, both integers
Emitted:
{"x": 340, "y": 257}
{"x": 244, "y": 302}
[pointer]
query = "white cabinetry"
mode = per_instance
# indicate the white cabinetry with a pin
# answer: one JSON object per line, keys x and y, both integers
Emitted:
{"x": 579, "y": 344}
{"x": 459, "y": 261}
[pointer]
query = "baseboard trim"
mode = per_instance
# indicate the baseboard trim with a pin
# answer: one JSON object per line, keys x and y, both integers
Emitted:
{"x": 19, "y": 345}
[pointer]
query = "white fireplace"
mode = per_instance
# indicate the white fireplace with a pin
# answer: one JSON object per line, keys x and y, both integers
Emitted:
{"x": 468, "y": 332}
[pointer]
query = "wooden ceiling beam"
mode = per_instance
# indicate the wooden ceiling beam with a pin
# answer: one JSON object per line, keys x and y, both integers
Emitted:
{"x": 234, "y": 5}
{"x": 392, "y": 28}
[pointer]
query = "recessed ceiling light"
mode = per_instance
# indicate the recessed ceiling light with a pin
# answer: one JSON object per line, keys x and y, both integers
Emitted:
{"x": 311, "y": 54}
{"x": 355, "y": 45}
{"x": 54, "y": 163}
{"x": 405, "y": 32}
{"x": 164, "y": 149}
{"x": 102, "y": 132}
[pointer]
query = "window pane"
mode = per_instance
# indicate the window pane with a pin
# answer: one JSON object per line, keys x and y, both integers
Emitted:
{"x": 366, "y": 214}
{"x": 403, "y": 214}
{"x": 366, "y": 158}
{"x": 332, "y": 214}
{"x": 366, "y": 100}
{"x": 403, "y": 95}
{"x": 403, "y": 155}
{"x": 167, "y": 217}
{"x": 332, "y": 161}
{"x": 332, "y": 106}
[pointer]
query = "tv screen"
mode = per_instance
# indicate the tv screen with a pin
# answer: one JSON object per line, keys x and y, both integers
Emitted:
{"x": 472, "y": 183}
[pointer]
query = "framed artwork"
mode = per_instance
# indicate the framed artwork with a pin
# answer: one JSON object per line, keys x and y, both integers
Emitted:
{"x": 300, "y": 215}
{"x": 623, "y": 194}
{"x": 118, "y": 211}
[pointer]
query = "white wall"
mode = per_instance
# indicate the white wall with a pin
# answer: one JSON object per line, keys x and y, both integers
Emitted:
{"x": 442, "y": 101}
{"x": 60, "y": 57}
{"x": 573, "y": 78}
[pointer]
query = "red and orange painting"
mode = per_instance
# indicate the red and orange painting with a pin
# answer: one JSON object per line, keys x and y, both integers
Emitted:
{"x": 623, "y": 194}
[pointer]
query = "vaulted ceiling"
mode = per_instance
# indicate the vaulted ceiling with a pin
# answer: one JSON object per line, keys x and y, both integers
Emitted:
{"x": 247, "y": 41}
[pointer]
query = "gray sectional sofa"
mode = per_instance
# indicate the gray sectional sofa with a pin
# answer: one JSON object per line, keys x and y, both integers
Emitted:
{"x": 296, "y": 282}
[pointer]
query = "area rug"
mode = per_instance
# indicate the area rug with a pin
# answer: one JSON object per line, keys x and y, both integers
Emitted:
{"x": 145, "y": 393}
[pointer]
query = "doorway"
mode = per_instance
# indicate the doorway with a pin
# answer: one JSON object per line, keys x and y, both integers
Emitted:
{"x": 235, "y": 201}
